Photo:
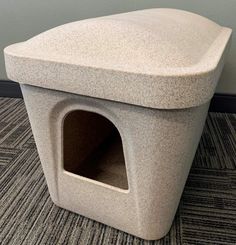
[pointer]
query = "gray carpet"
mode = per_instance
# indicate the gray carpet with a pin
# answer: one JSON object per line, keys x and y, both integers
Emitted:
{"x": 206, "y": 214}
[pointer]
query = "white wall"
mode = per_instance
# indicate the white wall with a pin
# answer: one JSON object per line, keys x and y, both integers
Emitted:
{"x": 22, "y": 19}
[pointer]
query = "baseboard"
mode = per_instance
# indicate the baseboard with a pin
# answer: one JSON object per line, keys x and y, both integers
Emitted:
{"x": 219, "y": 103}
{"x": 223, "y": 103}
{"x": 10, "y": 89}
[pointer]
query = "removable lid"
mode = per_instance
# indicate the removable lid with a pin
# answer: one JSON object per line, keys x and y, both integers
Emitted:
{"x": 160, "y": 58}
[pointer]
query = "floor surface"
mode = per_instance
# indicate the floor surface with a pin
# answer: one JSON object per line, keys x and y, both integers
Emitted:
{"x": 206, "y": 214}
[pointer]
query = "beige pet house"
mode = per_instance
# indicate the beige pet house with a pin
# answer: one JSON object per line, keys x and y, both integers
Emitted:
{"x": 117, "y": 106}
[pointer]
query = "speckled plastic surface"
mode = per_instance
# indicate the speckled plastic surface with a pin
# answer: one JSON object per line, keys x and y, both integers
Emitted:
{"x": 159, "y": 58}
{"x": 159, "y": 146}
{"x": 152, "y": 74}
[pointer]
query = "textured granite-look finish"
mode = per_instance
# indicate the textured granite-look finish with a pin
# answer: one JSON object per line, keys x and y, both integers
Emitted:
{"x": 163, "y": 64}
{"x": 159, "y": 146}
{"x": 159, "y": 58}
